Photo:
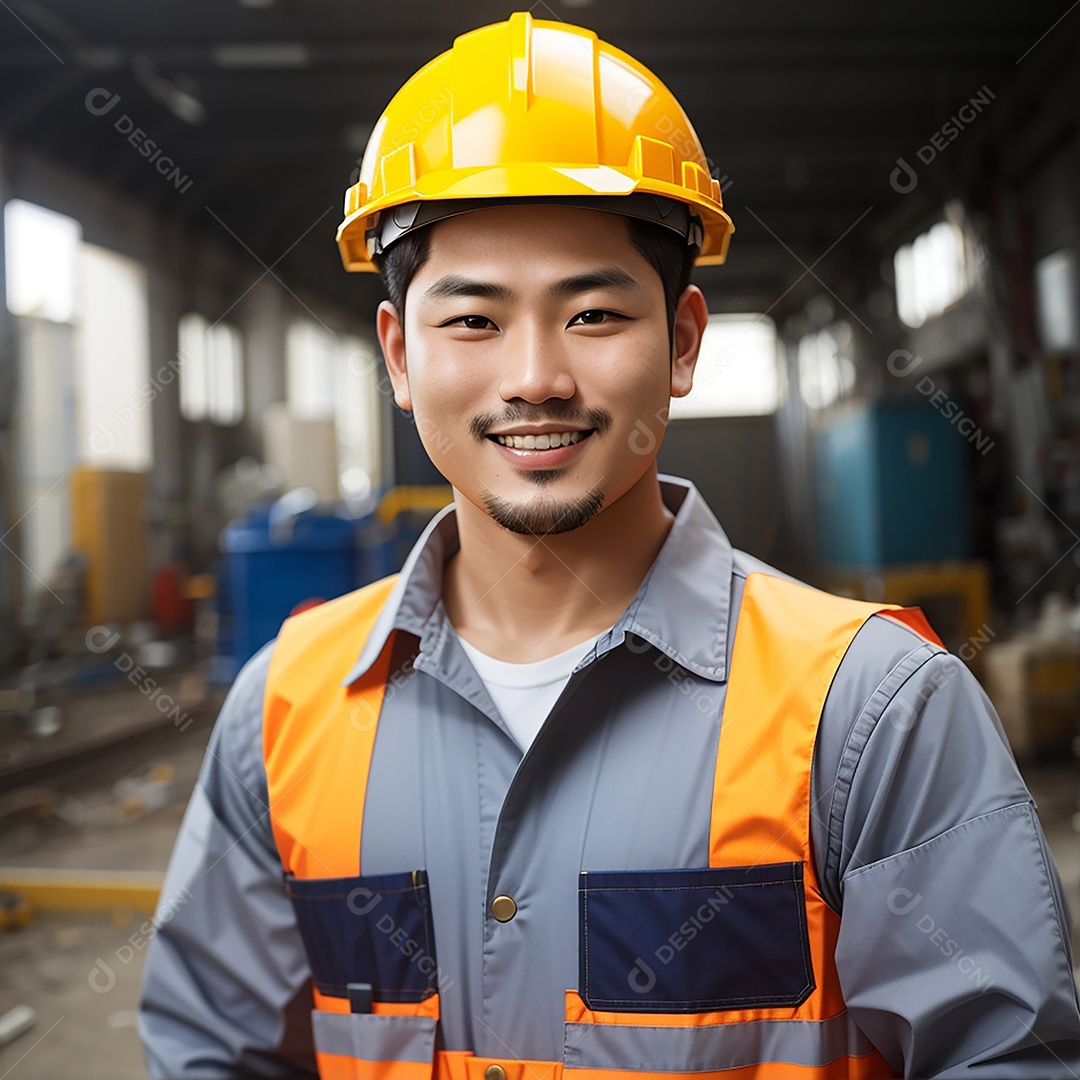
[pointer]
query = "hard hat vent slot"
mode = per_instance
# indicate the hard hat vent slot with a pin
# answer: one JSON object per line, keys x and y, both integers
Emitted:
{"x": 399, "y": 169}
{"x": 654, "y": 159}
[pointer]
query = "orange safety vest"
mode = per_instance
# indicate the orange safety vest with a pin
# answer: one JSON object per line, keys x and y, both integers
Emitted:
{"x": 318, "y": 742}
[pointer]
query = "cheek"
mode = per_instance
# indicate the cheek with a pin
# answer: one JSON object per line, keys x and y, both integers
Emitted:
{"x": 629, "y": 377}
{"x": 442, "y": 384}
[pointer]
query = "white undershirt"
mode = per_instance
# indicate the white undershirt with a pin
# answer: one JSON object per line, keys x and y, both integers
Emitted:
{"x": 525, "y": 693}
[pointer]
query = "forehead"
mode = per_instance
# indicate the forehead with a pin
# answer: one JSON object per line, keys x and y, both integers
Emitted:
{"x": 530, "y": 236}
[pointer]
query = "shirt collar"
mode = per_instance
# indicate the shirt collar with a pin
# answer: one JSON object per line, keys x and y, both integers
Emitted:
{"x": 682, "y": 606}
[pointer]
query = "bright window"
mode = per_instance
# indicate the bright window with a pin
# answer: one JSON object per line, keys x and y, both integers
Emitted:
{"x": 48, "y": 447}
{"x": 331, "y": 376}
{"x": 85, "y": 385}
{"x": 310, "y": 352}
{"x": 211, "y": 370}
{"x": 738, "y": 370}
{"x": 935, "y": 270}
{"x": 114, "y": 385}
{"x": 41, "y": 256}
{"x": 1055, "y": 301}
{"x": 826, "y": 371}
{"x": 225, "y": 373}
{"x": 191, "y": 354}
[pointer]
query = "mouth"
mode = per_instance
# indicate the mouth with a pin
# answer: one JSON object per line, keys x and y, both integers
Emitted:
{"x": 550, "y": 441}
{"x": 542, "y": 451}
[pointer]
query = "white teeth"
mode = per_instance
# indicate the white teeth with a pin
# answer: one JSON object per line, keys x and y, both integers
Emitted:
{"x": 541, "y": 442}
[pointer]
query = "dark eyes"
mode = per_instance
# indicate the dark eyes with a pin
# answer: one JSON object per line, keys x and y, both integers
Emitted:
{"x": 472, "y": 322}
{"x": 592, "y": 317}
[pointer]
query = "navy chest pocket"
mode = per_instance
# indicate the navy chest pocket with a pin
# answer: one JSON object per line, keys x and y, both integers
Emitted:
{"x": 693, "y": 940}
{"x": 374, "y": 929}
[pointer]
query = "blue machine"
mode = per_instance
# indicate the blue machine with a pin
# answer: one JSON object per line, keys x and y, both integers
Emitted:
{"x": 891, "y": 486}
{"x": 282, "y": 555}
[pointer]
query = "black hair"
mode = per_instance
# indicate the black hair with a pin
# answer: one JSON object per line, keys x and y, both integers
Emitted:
{"x": 667, "y": 252}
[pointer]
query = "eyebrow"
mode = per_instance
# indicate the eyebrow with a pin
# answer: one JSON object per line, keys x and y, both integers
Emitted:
{"x": 605, "y": 277}
{"x": 455, "y": 285}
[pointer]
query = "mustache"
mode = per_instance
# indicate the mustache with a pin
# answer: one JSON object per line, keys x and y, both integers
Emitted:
{"x": 600, "y": 419}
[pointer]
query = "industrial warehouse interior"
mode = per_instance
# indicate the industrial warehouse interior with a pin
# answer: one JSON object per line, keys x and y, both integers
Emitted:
{"x": 199, "y": 437}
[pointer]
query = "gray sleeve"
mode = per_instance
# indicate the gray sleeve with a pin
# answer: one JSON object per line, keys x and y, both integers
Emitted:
{"x": 226, "y": 988}
{"x": 954, "y": 951}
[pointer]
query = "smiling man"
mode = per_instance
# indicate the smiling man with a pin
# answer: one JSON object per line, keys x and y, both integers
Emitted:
{"x": 527, "y": 326}
{"x": 583, "y": 791}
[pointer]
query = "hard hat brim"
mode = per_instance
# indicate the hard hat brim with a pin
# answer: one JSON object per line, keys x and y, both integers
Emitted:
{"x": 357, "y": 234}
{"x": 395, "y": 223}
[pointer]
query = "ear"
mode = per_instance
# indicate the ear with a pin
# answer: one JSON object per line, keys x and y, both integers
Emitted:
{"x": 691, "y": 316}
{"x": 392, "y": 342}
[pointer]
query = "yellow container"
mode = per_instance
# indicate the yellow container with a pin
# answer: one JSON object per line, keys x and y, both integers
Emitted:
{"x": 107, "y": 526}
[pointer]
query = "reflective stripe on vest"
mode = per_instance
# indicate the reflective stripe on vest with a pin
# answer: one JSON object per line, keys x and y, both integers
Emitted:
{"x": 318, "y": 743}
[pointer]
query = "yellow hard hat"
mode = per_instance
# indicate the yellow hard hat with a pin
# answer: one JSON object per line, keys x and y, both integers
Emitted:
{"x": 535, "y": 110}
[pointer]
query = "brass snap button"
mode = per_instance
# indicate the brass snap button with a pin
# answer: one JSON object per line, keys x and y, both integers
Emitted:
{"x": 496, "y": 1072}
{"x": 504, "y": 909}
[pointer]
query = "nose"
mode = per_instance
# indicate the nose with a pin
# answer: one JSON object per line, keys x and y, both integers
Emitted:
{"x": 536, "y": 367}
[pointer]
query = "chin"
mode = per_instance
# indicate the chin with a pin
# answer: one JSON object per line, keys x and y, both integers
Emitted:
{"x": 545, "y": 515}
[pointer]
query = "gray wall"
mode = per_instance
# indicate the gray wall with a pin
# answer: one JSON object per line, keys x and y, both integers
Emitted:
{"x": 735, "y": 464}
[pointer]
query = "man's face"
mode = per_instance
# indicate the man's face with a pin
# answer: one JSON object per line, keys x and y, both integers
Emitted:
{"x": 538, "y": 321}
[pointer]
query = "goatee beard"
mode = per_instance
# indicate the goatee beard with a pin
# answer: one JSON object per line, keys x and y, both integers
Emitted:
{"x": 546, "y": 517}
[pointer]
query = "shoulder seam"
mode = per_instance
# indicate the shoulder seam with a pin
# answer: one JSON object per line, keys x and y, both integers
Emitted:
{"x": 861, "y": 730}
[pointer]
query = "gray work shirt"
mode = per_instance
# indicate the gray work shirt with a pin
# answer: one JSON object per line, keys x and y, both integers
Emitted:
{"x": 954, "y": 951}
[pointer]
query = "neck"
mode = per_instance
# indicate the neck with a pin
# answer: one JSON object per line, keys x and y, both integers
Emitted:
{"x": 522, "y": 598}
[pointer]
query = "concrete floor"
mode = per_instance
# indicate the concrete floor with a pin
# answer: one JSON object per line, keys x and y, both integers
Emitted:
{"x": 61, "y": 964}
{"x": 79, "y": 972}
